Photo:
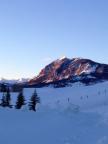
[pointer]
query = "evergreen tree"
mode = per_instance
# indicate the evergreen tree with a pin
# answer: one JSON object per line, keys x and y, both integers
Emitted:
{"x": 34, "y": 101}
{"x": 6, "y": 99}
{"x": 20, "y": 101}
{"x": 3, "y": 88}
{"x": 3, "y": 101}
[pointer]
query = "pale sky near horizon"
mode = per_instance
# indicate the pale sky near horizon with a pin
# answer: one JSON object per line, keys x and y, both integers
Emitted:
{"x": 35, "y": 32}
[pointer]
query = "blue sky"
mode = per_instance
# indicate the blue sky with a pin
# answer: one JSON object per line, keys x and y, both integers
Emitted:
{"x": 35, "y": 32}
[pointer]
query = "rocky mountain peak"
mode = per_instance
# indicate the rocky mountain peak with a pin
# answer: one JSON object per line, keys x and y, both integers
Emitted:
{"x": 70, "y": 70}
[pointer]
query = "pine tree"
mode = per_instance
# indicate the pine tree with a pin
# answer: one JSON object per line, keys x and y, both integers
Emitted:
{"x": 3, "y": 101}
{"x": 34, "y": 101}
{"x": 3, "y": 88}
{"x": 20, "y": 101}
{"x": 6, "y": 99}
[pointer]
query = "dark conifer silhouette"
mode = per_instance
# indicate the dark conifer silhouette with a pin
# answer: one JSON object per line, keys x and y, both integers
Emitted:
{"x": 6, "y": 99}
{"x": 3, "y": 88}
{"x": 3, "y": 101}
{"x": 34, "y": 101}
{"x": 20, "y": 101}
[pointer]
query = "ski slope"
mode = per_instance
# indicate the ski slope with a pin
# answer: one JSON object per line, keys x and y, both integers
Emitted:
{"x": 71, "y": 115}
{"x": 78, "y": 95}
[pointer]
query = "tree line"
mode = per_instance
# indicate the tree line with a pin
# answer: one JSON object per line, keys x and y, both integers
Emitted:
{"x": 20, "y": 102}
{"x": 13, "y": 88}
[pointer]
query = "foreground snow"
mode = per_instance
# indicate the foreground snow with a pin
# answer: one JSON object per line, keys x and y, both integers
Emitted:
{"x": 51, "y": 127}
{"x": 72, "y": 115}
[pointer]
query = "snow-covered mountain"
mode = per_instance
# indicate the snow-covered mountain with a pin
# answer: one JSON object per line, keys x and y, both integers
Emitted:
{"x": 65, "y": 70}
{"x": 13, "y": 81}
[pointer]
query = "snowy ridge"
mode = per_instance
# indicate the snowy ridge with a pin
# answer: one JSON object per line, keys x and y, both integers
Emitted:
{"x": 62, "y": 58}
{"x": 89, "y": 69}
{"x": 13, "y": 81}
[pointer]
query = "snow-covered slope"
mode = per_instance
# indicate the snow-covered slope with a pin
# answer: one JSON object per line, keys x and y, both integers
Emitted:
{"x": 77, "y": 94}
{"x": 51, "y": 127}
{"x": 72, "y": 115}
{"x": 85, "y": 97}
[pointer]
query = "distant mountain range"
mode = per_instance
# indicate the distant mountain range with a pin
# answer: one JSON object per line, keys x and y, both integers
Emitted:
{"x": 65, "y": 71}
{"x": 14, "y": 81}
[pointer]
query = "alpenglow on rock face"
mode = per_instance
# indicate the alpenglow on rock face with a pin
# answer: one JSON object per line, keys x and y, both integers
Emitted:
{"x": 70, "y": 70}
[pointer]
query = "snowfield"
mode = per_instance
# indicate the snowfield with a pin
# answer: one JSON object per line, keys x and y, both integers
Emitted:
{"x": 73, "y": 115}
